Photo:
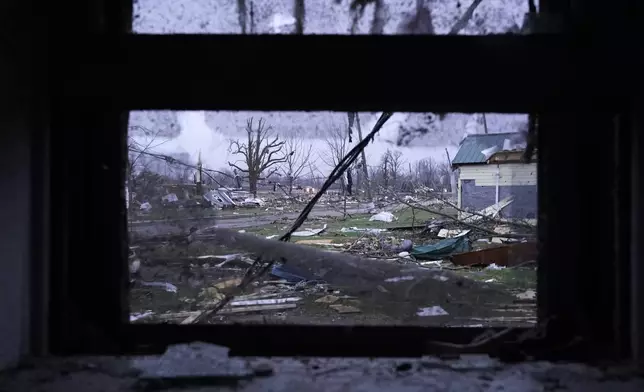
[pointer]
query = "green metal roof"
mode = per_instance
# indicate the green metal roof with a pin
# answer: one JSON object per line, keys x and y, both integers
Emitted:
{"x": 472, "y": 145}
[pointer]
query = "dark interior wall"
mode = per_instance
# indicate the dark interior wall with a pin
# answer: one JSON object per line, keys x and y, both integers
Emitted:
{"x": 20, "y": 60}
{"x": 636, "y": 243}
{"x": 15, "y": 179}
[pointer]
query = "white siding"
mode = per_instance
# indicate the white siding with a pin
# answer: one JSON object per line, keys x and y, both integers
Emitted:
{"x": 510, "y": 174}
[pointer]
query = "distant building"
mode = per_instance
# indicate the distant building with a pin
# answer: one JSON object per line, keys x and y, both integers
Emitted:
{"x": 490, "y": 169}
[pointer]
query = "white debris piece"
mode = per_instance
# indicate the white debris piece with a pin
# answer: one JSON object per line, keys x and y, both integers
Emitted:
{"x": 445, "y": 233}
{"x": 432, "y": 311}
{"x": 399, "y": 279}
{"x": 170, "y": 198}
{"x": 515, "y": 143}
{"x": 528, "y": 294}
{"x": 383, "y": 216}
{"x": 403, "y": 254}
{"x": 275, "y": 301}
{"x": 436, "y": 263}
{"x": 146, "y": 206}
{"x": 254, "y": 201}
{"x": 282, "y": 24}
{"x": 494, "y": 267}
{"x": 135, "y": 265}
{"x": 308, "y": 233}
{"x": 488, "y": 152}
{"x": 503, "y": 229}
{"x": 491, "y": 211}
{"x": 139, "y": 316}
{"x": 360, "y": 229}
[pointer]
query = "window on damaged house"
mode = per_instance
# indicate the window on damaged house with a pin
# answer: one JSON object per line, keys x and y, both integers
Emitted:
{"x": 431, "y": 224}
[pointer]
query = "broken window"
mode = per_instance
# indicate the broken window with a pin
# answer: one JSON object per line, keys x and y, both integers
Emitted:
{"x": 189, "y": 74}
{"x": 433, "y": 223}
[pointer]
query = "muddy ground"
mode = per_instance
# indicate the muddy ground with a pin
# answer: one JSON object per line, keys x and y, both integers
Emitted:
{"x": 473, "y": 296}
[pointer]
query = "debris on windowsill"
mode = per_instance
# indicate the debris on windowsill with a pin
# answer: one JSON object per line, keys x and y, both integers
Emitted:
{"x": 344, "y": 309}
{"x": 431, "y": 311}
{"x": 194, "y": 364}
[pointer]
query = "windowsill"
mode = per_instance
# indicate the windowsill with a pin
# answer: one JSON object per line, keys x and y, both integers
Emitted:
{"x": 310, "y": 374}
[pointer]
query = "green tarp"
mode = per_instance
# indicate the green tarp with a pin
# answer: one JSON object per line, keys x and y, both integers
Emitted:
{"x": 441, "y": 249}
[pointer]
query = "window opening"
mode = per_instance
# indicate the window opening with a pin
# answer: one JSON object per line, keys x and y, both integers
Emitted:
{"x": 391, "y": 219}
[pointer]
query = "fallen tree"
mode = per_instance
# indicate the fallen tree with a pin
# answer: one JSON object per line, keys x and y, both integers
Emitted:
{"x": 395, "y": 289}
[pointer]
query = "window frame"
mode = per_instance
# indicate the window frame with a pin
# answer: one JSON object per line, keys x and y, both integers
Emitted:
{"x": 92, "y": 90}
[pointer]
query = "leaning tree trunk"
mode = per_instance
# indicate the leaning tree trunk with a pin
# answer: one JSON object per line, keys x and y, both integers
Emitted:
{"x": 291, "y": 180}
{"x": 365, "y": 170}
{"x": 252, "y": 184}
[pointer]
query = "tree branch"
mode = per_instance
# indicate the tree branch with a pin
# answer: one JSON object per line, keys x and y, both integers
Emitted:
{"x": 462, "y": 22}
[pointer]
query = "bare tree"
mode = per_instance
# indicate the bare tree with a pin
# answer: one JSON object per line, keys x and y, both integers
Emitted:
{"x": 337, "y": 148}
{"x": 261, "y": 152}
{"x": 444, "y": 171}
{"x": 431, "y": 174}
{"x": 297, "y": 159}
{"x": 426, "y": 172}
{"x": 393, "y": 163}
{"x": 299, "y": 11}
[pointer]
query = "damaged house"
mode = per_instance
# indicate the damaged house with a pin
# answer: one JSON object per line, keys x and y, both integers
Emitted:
{"x": 490, "y": 170}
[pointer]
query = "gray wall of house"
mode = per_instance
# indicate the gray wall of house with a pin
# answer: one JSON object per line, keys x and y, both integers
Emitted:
{"x": 524, "y": 205}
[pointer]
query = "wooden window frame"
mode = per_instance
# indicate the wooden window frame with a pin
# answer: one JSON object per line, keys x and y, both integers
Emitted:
{"x": 93, "y": 88}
